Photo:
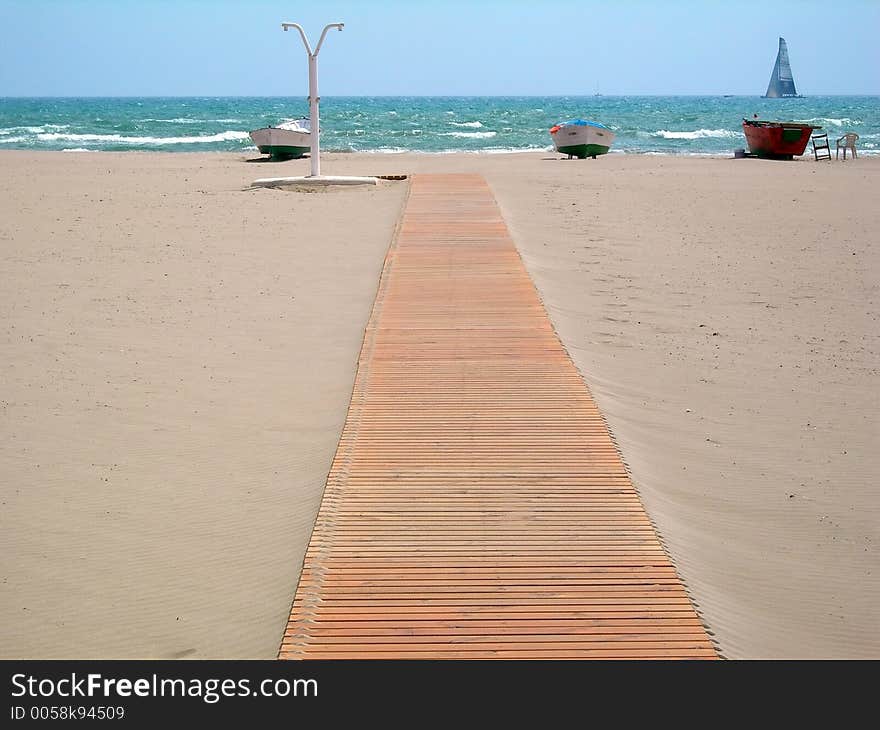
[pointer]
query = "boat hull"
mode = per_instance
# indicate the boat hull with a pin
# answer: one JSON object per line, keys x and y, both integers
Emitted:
{"x": 782, "y": 140}
{"x": 582, "y": 141}
{"x": 582, "y": 151}
{"x": 282, "y": 144}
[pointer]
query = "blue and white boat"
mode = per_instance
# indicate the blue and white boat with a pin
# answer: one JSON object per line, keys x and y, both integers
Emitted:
{"x": 580, "y": 138}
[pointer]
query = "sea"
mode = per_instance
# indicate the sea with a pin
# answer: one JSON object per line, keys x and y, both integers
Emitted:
{"x": 665, "y": 125}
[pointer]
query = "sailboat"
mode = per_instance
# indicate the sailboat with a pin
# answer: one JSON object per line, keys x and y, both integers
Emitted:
{"x": 781, "y": 84}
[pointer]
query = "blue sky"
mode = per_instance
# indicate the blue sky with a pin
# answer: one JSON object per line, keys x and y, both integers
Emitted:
{"x": 444, "y": 47}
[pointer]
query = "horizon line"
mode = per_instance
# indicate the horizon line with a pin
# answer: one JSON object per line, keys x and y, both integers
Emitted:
{"x": 409, "y": 96}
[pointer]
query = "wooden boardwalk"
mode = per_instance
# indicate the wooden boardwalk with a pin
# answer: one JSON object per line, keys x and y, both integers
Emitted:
{"x": 477, "y": 506}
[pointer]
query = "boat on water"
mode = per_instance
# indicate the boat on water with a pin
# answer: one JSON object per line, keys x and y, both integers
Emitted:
{"x": 781, "y": 84}
{"x": 777, "y": 140}
{"x": 580, "y": 138}
{"x": 290, "y": 139}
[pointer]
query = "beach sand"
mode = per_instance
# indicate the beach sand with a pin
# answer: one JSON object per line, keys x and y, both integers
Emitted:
{"x": 178, "y": 354}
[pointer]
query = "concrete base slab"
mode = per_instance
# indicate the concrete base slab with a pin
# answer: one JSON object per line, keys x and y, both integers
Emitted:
{"x": 309, "y": 181}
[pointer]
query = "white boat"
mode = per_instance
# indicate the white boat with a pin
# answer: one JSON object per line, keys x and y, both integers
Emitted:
{"x": 580, "y": 138}
{"x": 291, "y": 138}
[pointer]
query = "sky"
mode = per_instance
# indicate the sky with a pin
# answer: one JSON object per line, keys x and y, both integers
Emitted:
{"x": 441, "y": 47}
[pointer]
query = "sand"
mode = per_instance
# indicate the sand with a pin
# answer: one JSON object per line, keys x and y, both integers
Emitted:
{"x": 177, "y": 357}
{"x": 175, "y": 378}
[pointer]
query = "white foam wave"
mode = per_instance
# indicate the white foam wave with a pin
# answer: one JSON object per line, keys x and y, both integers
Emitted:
{"x": 76, "y": 149}
{"x": 33, "y": 130}
{"x": 835, "y": 122}
{"x": 475, "y": 125}
{"x": 13, "y": 140}
{"x": 698, "y": 134}
{"x": 469, "y": 135}
{"x": 656, "y": 153}
{"x": 386, "y": 151}
{"x": 226, "y": 136}
{"x": 484, "y": 151}
{"x": 515, "y": 150}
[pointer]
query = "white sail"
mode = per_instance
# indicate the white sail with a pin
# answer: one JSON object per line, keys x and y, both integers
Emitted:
{"x": 781, "y": 81}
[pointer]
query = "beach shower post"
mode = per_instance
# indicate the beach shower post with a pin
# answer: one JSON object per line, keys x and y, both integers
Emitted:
{"x": 314, "y": 121}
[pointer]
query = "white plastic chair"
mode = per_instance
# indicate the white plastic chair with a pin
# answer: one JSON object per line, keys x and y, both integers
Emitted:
{"x": 848, "y": 143}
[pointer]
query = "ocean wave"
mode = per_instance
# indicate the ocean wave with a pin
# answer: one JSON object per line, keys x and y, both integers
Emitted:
{"x": 386, "y": 151}
{"x": 835, "y": 122}
{"x": 13, "y": 140}
{"x": 698, "y": 134}
{"x": 676, "y": 153}
{"x": 469, "y": 135}
{"x": 447, "y": 151}
{"x": 76, "y": 149}
{"x": 188, "y": 120}
{"x": 226, "y": 136}
{"x": 482, "y": 151}
{"x": 475, "y": 125}
{"x": 32, "y": 130}
{"x": 515, "y": 150}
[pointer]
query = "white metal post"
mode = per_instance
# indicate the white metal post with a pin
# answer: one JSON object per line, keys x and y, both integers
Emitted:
{"x": 314, "y": 116}
{"x": 314, "y": 99}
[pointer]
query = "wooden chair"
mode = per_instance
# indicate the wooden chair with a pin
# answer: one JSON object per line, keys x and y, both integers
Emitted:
{"x": 821, "y": 150}
{"x": 849, "y": 143}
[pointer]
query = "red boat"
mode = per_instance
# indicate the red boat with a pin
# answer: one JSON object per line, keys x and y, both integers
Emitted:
{"x": 781, "y": 140}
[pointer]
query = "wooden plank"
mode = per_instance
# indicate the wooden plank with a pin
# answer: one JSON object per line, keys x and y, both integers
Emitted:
{"x": 477, "y": 506}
